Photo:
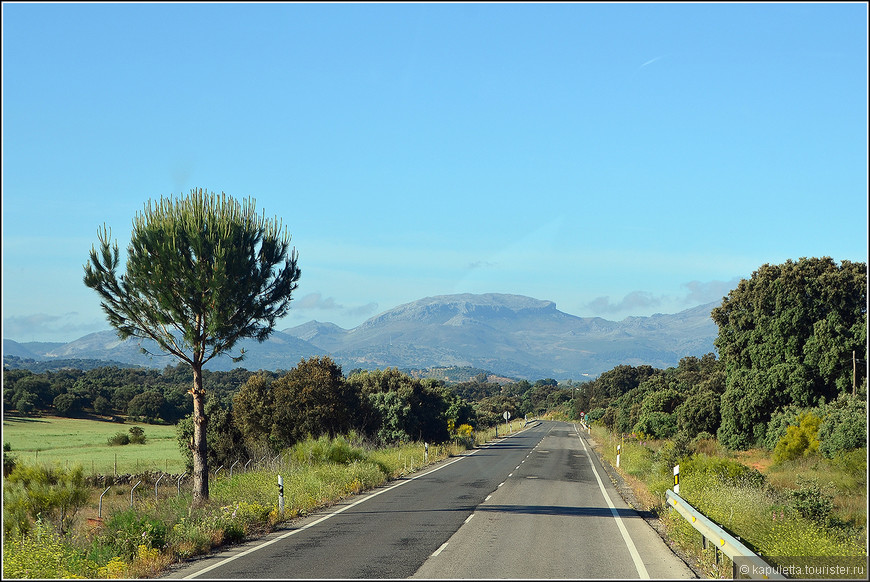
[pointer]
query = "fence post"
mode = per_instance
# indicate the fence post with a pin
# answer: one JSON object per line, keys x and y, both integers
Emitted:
{"x": 155, "y": 484}
{"x": 179, "y": 482}
{"x": 131, "y": 493}
{"x": 231, "y": 467}
{"x": 100, "y": 510}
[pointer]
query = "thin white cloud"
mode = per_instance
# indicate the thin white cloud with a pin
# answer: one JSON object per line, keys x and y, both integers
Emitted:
{"x": 701, "y": 292}
{"x": 317, "y": 301}
{"x": 633, "y": 302}
{"x": 651, "y": 61}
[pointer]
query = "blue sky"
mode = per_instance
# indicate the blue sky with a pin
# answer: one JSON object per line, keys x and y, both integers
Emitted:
{"x": 619, "y": 159}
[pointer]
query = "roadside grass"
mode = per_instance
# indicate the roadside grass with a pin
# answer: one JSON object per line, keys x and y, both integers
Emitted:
{"x": 812, "y": 507}
{"x": 72, "y": 441}
{"x": 140, "y": 533}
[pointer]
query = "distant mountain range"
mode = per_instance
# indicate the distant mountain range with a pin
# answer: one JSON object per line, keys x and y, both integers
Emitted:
{"x": 510, "y": 335}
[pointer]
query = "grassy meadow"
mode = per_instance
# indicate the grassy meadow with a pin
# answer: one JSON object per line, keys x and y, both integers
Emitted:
{"x": 71, "y": 441}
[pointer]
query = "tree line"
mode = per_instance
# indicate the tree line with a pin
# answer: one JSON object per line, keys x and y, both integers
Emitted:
{"x": 792, "y": 347}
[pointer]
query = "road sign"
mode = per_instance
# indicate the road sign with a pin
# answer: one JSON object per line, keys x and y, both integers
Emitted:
{"x": 506, "y": 415}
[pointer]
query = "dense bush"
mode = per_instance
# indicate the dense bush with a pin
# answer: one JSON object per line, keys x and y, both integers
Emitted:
{"x": 126, "y": 530}
{"x": 699, "y": 413}
{"x": 801, "y": 439}
{"x": 50, "y": 494}
{"x": 810, "y": 501}
{"x": 137, "y": 435}
{"x": 844, "y": 426}
{"x": 722, "y": 470}
{"x": 326, "y": 450}
{"x": 656, "y": 425}
{"x": 119, "y": 439}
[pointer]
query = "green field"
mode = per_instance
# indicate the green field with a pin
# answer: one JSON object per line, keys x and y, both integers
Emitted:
{"x": 71, "y": 441}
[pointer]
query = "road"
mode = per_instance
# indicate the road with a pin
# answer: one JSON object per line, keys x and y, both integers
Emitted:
{"x": 534, "y": 504}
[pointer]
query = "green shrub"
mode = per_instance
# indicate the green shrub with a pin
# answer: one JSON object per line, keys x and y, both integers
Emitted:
{"x": 137, "y": 435}
{"x": 126, "y": 530}
{"x": 779, "y": 422}
{"x": 844, "y": 426}
{"x": 657, "y": 424}
{"x": 52, "y": 494}
{"x": 810, "y": 501}
{"x": 120, "y": 438}
{"x": 9, "y": 461}
{"x": 799, "y": 440}
{"x": 721, "y": 471}
{"x": 594, "y": 414}
{"x": 674, "y": 451}
{"x": 325, "y": 449}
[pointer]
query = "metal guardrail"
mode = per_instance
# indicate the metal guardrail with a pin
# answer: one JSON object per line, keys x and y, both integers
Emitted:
{"x": 723, "y": 541}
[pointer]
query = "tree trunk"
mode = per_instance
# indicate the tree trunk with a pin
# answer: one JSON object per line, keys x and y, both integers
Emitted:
{"x": 200, "y": 446}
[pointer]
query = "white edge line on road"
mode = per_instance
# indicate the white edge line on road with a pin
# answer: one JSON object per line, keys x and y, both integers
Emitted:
{"x": 467, "y": 519}
{"x": 317, "y": 521}
{"x": 638, "y": 563}
{"x": 439, "y": 550}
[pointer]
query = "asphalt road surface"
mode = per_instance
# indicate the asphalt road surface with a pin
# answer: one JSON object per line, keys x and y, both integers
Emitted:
{"x": 534, "y": 504}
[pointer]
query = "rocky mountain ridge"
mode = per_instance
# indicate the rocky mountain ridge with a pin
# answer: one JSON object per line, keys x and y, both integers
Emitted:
{"x": 510, "y": 335}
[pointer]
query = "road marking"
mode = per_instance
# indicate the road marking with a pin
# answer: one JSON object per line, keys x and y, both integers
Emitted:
{"x": 638, "y": 563}
{"x": 439, "y": 550}
{"x": 322, "y": 519}
{"x": 467, "y": 519}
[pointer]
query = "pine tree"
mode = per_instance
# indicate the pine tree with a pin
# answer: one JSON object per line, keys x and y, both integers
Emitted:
{"x": 202, "y": 273}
